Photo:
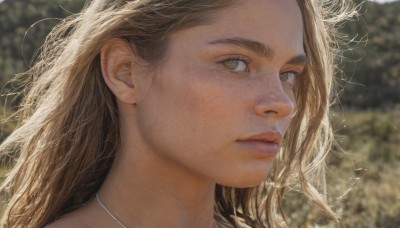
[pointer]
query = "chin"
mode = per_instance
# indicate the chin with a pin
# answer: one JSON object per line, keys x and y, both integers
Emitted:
{"x": 248, "y": 179}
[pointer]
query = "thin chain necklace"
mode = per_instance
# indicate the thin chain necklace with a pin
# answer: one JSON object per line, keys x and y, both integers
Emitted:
{"x": 115, "y": 218}
{"x": 105, "y": 208}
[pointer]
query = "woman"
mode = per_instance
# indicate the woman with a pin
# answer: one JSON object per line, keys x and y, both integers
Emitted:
{"x": 179, "y": 113}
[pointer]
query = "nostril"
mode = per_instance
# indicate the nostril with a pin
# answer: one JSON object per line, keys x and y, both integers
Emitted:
{"x": 280, "y": 108}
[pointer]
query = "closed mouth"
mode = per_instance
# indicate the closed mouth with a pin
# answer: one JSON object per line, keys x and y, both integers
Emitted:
{"x": 263, "y": 147}
{"x": 266, "y": 143}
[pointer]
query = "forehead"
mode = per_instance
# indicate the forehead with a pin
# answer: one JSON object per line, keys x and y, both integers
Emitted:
{"x": 272, "y": 21}
{"x": 276, "y": 23}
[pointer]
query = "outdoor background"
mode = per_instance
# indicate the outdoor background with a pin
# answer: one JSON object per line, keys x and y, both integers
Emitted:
{"x": 364, "y": 166}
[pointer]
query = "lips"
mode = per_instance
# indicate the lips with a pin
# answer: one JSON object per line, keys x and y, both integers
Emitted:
{"x": 266, "y": 143}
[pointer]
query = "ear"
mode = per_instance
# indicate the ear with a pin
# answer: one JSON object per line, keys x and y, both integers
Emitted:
{"x": 117, "y": 63}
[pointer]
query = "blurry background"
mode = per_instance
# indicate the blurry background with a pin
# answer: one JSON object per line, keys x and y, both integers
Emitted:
{"x": 364, "y": 167}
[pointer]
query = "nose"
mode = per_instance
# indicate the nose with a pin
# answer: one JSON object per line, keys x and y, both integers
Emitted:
{"x": 274, "y": 102}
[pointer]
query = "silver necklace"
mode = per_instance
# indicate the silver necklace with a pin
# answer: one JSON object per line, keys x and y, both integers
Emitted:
{"x": 105, "y": 208}
{"x": 115, "y": 218}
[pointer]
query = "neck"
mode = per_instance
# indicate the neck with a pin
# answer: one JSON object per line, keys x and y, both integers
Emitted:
{"x": 146, "y": 190}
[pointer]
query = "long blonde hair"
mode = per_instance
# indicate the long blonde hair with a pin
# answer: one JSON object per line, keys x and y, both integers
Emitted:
{"x": 69, "y": 133}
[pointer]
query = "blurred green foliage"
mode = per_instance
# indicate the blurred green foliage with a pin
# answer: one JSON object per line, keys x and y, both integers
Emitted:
{"x": 372, "y": 70}
{"x": 24, "y": 25}
{"x": 363, "y": 174}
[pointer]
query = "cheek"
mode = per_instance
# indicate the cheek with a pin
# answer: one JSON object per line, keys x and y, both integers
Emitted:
{"x": 188, "y": 110}
{"x": 207, "y": 107}
{"x": 285, "y": 122}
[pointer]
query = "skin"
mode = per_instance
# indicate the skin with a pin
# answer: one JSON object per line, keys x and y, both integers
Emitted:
{"x": 181, "y": 121}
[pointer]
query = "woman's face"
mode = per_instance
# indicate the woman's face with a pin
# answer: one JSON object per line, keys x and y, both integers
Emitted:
{"x": 222, "y": 98}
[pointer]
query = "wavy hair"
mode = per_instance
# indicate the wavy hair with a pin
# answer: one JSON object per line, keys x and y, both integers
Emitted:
{"x": 69, "y": 133}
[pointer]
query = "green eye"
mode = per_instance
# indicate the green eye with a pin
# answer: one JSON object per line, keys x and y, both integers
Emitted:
{"x": 231, "y": 64}
{"x": 236, "y": 65}
{"x": 285, "y": 76}
{"x": 288, "y": 77}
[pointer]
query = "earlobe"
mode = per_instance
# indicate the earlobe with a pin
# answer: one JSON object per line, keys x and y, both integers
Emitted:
{"x": 116, "y": 65}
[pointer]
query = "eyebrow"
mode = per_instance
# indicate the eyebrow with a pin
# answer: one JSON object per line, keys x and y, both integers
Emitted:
{"x": 298, "y": 60}
{"x": 259, "y": 48}
{"x": 254, "y": 46}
